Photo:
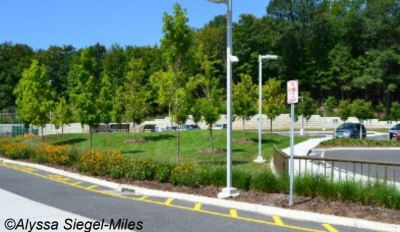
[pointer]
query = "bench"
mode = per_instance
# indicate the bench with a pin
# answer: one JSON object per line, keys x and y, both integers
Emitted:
{"x": 119, "y": 127}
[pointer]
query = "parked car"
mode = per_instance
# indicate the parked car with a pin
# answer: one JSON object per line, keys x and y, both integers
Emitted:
{"x": 220, "y": 126}
{"x": 190, "y": 127}
{"x": 350, "y": 130}
{"x": 169, "y": 128}
{"x": 393, "y": 131}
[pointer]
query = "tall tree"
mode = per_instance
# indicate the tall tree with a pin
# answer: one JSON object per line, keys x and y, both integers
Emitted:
{"x": 307, "y": 106}
{"x": 175, "y": 47}
{"x": 136, "y": 94}
{"x": 344, "y": 110}
{"x": 14, "y": 59}
{"x": 104, "y": 102}
{"x": 273, "y": 100}
{"x": 63, "y": 114}
{"x": 34, "y": 96}
{"x": 244, "y": 99}
{"x": 84, "y": 93}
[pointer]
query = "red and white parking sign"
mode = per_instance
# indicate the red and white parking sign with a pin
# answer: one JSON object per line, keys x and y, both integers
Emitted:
{"x": 292, "y": 91}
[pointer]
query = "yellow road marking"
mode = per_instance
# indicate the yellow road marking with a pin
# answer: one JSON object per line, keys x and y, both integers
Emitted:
{"x": 92, "y": 186}
{"x": 168, "y": 202}
{"x": 233, "y": 213}
{"x": 329, "y": 228}
{"x": 77, "y": 183}
{"x": 278, "y": 220}
{"x": 197, "y": 206}
{"x": 57, "y": 177}
{"x": 28, "y": 169}
{"x": 175, "y": 206}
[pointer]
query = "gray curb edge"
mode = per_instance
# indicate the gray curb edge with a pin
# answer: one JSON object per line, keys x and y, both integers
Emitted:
{"x": 255, "y": 208}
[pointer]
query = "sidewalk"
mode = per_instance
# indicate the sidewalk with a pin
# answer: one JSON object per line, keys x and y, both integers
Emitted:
{"x": 304, "y": 148}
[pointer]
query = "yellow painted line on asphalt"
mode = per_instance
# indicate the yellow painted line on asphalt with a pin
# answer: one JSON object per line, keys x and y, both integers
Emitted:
{"x": 143, "y": 199}
{"x": 197, "y": 206}
{"x": 28, "y": 169}
{"x": 77, "y": 183}
{"x": 278, "y": 220}
{"x": 329, "y": 228}
{"x": 61, "y": 178}
{"x": 169, "y": 201}
{"x": 233, "y": 213}
{"x": 92, "y": 186}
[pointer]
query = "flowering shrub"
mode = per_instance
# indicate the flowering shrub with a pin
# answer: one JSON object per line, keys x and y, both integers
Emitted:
{"x": 162, "y": 172}
{"x": 14, "y": 150}
{"x": 140, "y": 169}
{"x": 25, "y": 136}
{"x": 55, "y": 154}
{"x": 100, "y": 163}
{"x": 187, "y": 175}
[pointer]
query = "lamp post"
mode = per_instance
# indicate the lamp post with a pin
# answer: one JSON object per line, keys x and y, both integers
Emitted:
{"x": 229, "y": 191}
{"x": 260, "y": 159}
{"x": 51, "y": 132}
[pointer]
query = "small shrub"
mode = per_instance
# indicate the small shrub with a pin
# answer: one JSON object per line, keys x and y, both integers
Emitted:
{"x": 100, "y": 163}
{"x": 140, "y": 169}
{"x": 14, "y": 150}
{"x": 265, "y": 182}
{"x": 55, "y": 154}
{"x": 163, "y": 172}
{"x": 241, "y": 179}
{"x": 214, "y": 175}
{"x": 349, "y": 191}
{"x": 189, "y": 175}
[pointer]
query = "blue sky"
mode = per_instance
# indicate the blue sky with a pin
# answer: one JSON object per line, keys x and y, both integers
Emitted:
{"x": 81, "y": 23}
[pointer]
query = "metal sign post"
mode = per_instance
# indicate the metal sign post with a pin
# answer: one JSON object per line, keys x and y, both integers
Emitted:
{"x": 292, "y": 98}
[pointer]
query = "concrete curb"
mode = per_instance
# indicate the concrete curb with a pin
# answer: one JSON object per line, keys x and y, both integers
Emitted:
{"x": 255, "y": 208}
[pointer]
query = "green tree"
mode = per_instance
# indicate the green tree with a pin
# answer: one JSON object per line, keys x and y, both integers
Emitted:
{"x": 175, "y": 48}
{"x": 104, "y": 102}
{"x": 85, "y": 92}
{"x": 362, "y": 110}
{"x": 34, "y": 96}
{"x": 307, "y": 106}
{"x": 14, "y": 59}
{"x": 380, "y": 108}
{"x": 135, "y": 95}
{"x": 330, "y": 104}
{"x": 63, "y": 114}
{"x": 210, "y": 103}
{"x": 344, "y": 110}
{"x": 395, "y": 111}
{"x": 244, "y": 98}
{"x": 273, "y": 100}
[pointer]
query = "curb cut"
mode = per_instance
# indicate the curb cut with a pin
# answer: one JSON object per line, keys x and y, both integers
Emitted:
{"x": 255, "y": 208}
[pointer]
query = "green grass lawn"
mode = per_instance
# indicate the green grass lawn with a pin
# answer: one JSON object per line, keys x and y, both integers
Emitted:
{"x": 163, "y": 146}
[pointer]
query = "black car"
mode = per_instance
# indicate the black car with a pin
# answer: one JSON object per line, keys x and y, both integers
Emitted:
{"x": 393, "y": 131}
{"x": 350, "y": 130}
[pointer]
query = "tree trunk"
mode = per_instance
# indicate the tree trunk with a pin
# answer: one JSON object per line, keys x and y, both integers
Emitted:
{"x": 177, "y": 142}
{"x": 211, "y": 139}
{"x": 90, "y": 136}
{"x": 270, "y": 125}
{"x": 62, "y": 129}
{"x": 134, "y": 131}
{"x": 243, "y": 128}
{"x": 42, "y": 135}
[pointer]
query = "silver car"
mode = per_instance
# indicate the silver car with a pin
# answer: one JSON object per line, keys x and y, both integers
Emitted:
{"x": 350, "y": 130}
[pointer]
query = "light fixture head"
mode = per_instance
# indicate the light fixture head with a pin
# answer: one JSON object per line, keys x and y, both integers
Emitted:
{"x": 234, "y": 59}
{"x": 269, "y": 57}
{"x": 219, "y": 1}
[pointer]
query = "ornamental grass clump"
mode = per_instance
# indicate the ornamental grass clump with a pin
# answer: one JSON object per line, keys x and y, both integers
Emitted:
{"x": 140, "y": 169}
{"x": 55, "y": 154}
{"x": 189, "y": 175}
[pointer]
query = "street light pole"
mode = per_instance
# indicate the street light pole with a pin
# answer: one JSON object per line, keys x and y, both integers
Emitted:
{"x": 260, "y": 159}
{"x": 229, "y": 191}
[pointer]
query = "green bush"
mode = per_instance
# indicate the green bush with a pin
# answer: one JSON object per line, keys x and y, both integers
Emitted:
{"x": 241, "y": 179}
{"x": 163, "y": 172}
{"x": 349, "y": 191}
{"x": 265, "y": 182}
{"x": 215, "y": 175}
{"x": 140, "y": 169}
{"x": 100, "y": 163}
{"x": 189, "y": 175}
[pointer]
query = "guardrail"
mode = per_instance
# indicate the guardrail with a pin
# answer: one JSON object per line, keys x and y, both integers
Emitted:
{"x": 337, "y": 168}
